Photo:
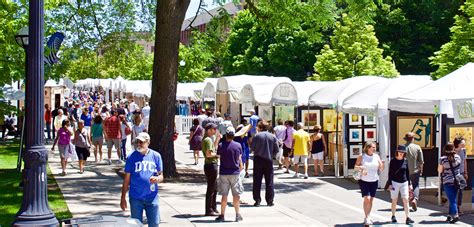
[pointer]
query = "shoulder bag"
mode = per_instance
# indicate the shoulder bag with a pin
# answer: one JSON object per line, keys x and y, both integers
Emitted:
{"x": 459, "y": 180}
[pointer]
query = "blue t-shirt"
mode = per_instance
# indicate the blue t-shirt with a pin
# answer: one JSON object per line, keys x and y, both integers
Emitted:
{"x": 230, "y": 157}
{"x": 141, "y": 168}
{"x": 253, "y": 121}
{"x": 87, "y": 119}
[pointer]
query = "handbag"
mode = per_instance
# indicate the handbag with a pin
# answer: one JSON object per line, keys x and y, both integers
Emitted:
{"x": 459, "y": 180}
{"x": 357, "y": 174}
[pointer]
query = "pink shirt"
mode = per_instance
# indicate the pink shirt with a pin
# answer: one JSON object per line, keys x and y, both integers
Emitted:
{"x": 64, "y": 137}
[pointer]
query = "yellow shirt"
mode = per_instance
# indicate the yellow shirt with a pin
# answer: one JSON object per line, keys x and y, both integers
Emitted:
{"x": 301, "y": 139}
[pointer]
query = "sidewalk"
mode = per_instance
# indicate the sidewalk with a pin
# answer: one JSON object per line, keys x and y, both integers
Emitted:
{"x": 298, "y": 202}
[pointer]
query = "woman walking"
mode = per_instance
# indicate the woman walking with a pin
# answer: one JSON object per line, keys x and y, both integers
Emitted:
{"x": 137, "y": 128}
{"x": 82, "y": 142}
{"x": 370, "y": 164}
{"x": 63, "y": 139}
{"x": 449, "y": 167}
{"x": 125, "y": 131}
{"x": 195, "y": 139}
{"x": 460, "y": 148}
{"x": 97, "y": 133}
{"x": 318, "y": 149}
{"x": 399, "y": 182}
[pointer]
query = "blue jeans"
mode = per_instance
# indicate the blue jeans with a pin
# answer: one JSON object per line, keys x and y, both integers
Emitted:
{"x": 152, "y": 211}
{"x": 48, "y": 130}
{"x": 451, "y": 192}
{"x": 123, "y": 147}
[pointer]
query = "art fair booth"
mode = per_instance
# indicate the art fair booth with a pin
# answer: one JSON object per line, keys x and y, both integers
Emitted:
{"x": 368, "y": 118}
{"x": 327, "y": 103}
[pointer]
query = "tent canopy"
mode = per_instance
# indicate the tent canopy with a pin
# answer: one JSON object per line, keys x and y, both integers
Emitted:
{"x": 234, "y": 84}
{"x": 306, "y": 88}
{"x": 372, "y": 99}
{"x": 186, "y": 91}
{"x": 332, "y": 95}
{"x": 284, "y": 93}
{"x": 456, "y": 85}
{"x": 259, "y": 93}
{"x": 209, "y": 90}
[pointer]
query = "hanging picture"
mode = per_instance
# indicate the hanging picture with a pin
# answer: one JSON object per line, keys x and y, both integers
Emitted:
{"x": 285, "y": 113}
{"x": 369, "y": 120}
{"x": 330, "y": 120}
{"x": 310, "y": 118}
{"x": 370, "y": 134}
{"x": 246, "y": 106}
{"x": 355, "y": 151}
{"x": 265, "y": 112}
{"x": 466, "y": 132}
{"x": 355, "y": 119}
{"x": 421, "y": 126}
{"x": 355, "y": 135}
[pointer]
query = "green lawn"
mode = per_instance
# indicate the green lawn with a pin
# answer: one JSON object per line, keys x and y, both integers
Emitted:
{"x": 11, "y": 194}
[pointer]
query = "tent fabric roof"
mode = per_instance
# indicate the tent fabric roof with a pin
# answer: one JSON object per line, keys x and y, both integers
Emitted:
{"x": 284, "y": 93}
{"x": 371, "y": 99}
{"x": 234, "y": 84}
{"x": 187, "y": 90}
{"x": 209, "y": 90}
{"x": 306, "y": 88}
{"x": 456, "y": 85}
{"x": 332, "y": 96}
{"x": 261, "y": 92}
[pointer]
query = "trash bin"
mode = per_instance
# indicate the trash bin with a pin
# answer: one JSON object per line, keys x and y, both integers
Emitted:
{"x": 101, "y": 220}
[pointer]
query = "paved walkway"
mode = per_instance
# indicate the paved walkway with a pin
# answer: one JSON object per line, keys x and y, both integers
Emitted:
{"x": 298, "y": 202}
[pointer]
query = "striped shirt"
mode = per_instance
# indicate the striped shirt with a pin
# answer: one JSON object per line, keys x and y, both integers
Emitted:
{"x": 447, "y": 174}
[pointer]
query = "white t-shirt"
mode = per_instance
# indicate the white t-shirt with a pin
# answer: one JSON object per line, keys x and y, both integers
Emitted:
{"x": 136, "y": 130}
{"x": 280, "y": 132}
{"x": 132, "y": 107}
{"x": 371, "y": 164}
{"x": 146, "y": 112}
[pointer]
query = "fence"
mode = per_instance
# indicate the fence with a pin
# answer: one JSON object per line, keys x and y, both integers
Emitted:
{"x": 183, "y": 123}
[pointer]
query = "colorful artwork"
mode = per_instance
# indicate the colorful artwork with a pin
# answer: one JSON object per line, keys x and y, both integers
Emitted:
{"x": 355, "y": 135}
{"x": 466, "y": 133}
{"x": 355, "y": 151}
{"x": 310, "y": 118}
{"x": 285, "y": 113}
{"x": 369, "y": 120}
{"x": 265, "y": 112}
{"x": 421, "y": 126}
{"x": 330, "y": 120}
{"x": 355, "y": 119}
{"x": 370, "y": 134}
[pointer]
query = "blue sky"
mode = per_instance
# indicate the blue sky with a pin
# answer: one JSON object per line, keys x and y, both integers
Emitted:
{"x": 194, "y": 6}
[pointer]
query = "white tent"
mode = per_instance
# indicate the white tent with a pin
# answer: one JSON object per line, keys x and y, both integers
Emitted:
{"x": 373, "y": 100}
{"x": 234, "y": 84}
{"x": 456, "y": 85}
{"x": 306, "y": 88}
{"x": 209, "y": 90}
{"x": 261, "y": 92}
{"x": 185, "y": 91}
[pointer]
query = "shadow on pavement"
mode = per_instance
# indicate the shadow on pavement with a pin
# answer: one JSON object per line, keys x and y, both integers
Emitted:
{"x": 186, "y": 216}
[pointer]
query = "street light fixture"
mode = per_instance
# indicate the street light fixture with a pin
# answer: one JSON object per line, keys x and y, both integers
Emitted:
{"x": 21, "y": 37}
{"x": 34, "y": 209}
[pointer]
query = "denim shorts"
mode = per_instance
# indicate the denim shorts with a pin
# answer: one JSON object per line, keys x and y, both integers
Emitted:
{"x": 151, "y": 208}
{"x": 368, "y": 188}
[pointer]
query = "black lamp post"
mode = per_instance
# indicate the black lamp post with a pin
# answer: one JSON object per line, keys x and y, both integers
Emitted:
{"x": 21, "y": 39}
{"x": 34, "y": 209}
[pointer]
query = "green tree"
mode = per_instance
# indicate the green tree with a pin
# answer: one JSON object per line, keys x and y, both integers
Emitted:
{"x": 411, "y": 31}
{"x": 460, "y": 50}
{"x": 353, "y": 52}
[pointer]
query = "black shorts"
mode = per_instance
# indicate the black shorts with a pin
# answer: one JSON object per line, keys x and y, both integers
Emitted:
{"x": 82, "y": 153}
{"x": 287, "y": 152}
{"x": 368, "y": 188}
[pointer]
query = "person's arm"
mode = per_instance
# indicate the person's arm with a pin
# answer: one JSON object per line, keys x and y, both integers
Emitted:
{"x": 55, "y": 140}
{"x": 420, "y": 161}
{"x": 381, "y": 165}
{"x": 125, "y": 187}
{"x": 209, "y": 153}
{"x": 440, "y": 168}
{"x": 156, "y": 179}
{"x": 390, "y": 172}
{"x": 407, "y": 173}
{"x": 324, "y": 144}
{"x": 191, "y": 136}
{"x": 309, "y": 146}
{"x": 276, "y": 148}
{"x": 358, "y": 165}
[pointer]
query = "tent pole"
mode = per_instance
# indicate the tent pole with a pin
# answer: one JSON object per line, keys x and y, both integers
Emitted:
{"x": 336, "y": 156}
{"x": 438, "y": 142}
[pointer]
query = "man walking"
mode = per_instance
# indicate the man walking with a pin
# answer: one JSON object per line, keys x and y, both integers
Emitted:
{"x": 146, "y": 115}
{"x": 210, "y": 168}
{"x": 280, "y": 131}
{"x": 301, "y": 148}
{"x": 112, "y": 126}
{"x": 415, "y": 166}
{"x": 143, "y": 172}
{"x": 288, "y": 144}
{"x": 265, "y": 147}
{"x": 230, "y": 155}
{"x": 47, "y": 121}
{"x": 226, "y": 123}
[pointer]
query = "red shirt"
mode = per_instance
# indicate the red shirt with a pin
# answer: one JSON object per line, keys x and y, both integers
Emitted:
{"x": 47, "y": 116}
{"x": 113, "y": 127}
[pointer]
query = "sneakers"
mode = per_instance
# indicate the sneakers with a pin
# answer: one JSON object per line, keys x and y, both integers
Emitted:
{"x": 394, "y": 219}
{"x": 409, "y": 221}
{"x": 414, "y": 205}
{"x": 454, "y": 220}
{"x": 220, "y": 218}
{"x": 305, "y": 176}
{"x": 256, "y": 204}
{"x": 449, "y": 218}
{"x": 247, "y": 175}
{"x": 368, "y": 221}
{"x": 238, "y": 218}
{"x": 296, "y": 175}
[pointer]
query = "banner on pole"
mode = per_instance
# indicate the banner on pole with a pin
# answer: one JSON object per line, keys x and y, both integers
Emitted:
{"x": 463, "y": 110}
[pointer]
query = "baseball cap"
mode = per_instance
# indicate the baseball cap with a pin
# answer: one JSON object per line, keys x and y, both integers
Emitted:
{"x": 402, "y": 148}
{"x": 230, "y": 131}
{"x": 143, "y": 136}
{"x": 210, "y": 125}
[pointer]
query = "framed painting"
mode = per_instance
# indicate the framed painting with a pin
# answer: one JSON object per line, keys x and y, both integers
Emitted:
{"x": 265, "y": 112}
{"x": 355, "y": 135}
{"x": 370, "y": 134}
{"x": 310, "y": 118}
{"x": 285, "y": 113}
{"x": 330, "y": 118}
{"x": 355, "y": 151}
{"x": 369, "y": 120}
{"x": 355, "y": 119}
{"x": 421, "y": 126}
{"x": 466, "y": 132}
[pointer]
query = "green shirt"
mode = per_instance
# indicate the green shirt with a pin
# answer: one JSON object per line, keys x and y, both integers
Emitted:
{"x": 208, "y": 145}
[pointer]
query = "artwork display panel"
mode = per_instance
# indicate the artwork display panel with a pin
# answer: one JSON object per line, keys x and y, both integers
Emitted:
{"x": 421, "y": 126}
{"x": 310, "y": 118}
{"x": 355, "y": 135}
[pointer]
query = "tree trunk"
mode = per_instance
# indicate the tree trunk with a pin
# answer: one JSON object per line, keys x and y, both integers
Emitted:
{"x": 169, "y": 18}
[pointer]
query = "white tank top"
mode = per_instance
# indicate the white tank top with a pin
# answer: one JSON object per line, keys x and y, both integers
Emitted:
{"x": 371, "y": 164}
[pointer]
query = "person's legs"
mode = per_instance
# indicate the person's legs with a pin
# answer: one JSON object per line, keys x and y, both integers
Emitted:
{"x": 236, "y": 204}
{"x": 136, "y": 209}
{"x": 48, "y": 130}
{"x": 152, "y": 211}
{"x": 459, "y": 199}
{"x": 367, "y": 206}
{"x": 257, "y": 179}
{"x": 110, "y": 143}
{"x": 100, "y": 151}
{"x": 223, "y": 204}
{"x": 451, "y": 193}
{"x": 296, "y": 162}
{"x": 321, "y": 165}
{"x": 415, "y": 179}
{"x": 305, "y": 164}
{"x": 214, "y": 187}
{"x": 196, "y": 157}
{"x": 406, "y": 207}
{"x": 207, "y": 172}
{"x": 269, "y": 190}
{"x": 124, "y": 148}
{"x": 117, "y": 148}
{"x": 96, "y": 147}
{"x": 316, "y": 167}
{"x": 394, "y": 206}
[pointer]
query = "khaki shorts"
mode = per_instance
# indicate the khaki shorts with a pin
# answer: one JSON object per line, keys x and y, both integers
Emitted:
{"x": 233, "y": 182}
{"x": 113, "y": 142}
{"x": 303, "y": 159}
{"x": 318, "y": 156}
